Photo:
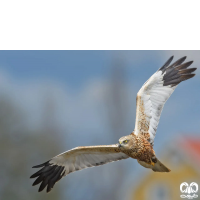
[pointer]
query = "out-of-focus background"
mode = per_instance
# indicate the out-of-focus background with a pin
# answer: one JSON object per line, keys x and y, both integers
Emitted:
{"x": 52, "y": 101}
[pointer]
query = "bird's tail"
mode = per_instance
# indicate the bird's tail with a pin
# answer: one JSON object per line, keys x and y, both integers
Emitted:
{"x": 159, "y": 167}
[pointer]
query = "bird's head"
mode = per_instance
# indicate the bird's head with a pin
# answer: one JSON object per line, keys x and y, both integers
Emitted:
{"x": 124, "y": 142}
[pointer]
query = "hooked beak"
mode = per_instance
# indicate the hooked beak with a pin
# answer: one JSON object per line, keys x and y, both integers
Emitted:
{"x": 119, "y": 145}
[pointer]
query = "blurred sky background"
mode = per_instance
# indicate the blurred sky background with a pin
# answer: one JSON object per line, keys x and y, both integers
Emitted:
{"x": 52, "y": 101}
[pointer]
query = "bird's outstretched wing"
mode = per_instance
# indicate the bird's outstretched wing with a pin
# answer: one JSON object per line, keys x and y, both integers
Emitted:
{"x": 73, "y": 160}
{"x": 155, "y": 92}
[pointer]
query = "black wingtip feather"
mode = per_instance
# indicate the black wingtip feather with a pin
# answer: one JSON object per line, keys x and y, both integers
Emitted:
{"x": 178, "y": 62}
{"x": 48, "y": 175}
{"x": 41, "y": 165}
{"x": 177, "y": 72}
{"x": 56, "y": 178}
{"x": 167, "y": 63}
{"x": 43, "y": 170}
{"x": 187, "y": 71}
{"x": 184, "y": 65}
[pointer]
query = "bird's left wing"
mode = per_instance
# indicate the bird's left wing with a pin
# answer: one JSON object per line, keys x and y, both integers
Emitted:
{"x": 73, "y": 160}
{"x": 155, "y": 92}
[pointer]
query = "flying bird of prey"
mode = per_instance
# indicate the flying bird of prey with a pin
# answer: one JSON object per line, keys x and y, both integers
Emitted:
{"x": 138, "y": 145}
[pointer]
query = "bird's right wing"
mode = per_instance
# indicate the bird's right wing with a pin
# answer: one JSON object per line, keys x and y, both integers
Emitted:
{"x": 73, "y": 160}
{"x": 153, "y": 95}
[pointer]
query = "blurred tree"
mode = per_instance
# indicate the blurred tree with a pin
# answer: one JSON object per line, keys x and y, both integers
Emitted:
{"x": 21, "y": 148}
{"x": 116, "y": 106}
{"x": 117, "y": 100}
{"x": 117, "y": 113}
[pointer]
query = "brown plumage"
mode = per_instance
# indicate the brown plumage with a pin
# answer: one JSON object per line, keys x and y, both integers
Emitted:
{"x": 138, "y": 145}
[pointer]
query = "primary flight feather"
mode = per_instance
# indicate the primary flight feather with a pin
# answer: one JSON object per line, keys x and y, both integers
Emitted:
{"x": 151, "y": 99}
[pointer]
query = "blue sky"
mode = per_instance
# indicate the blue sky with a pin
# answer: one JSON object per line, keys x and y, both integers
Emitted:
{"x": 71, "y": 67}
{"x": 77, "y": 80}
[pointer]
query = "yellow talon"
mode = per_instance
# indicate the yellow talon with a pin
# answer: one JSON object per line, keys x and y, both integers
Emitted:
{"x": 152, "y": 163}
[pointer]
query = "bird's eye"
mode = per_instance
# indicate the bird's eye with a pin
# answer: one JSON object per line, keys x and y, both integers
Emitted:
{"x": 125, "y": 141}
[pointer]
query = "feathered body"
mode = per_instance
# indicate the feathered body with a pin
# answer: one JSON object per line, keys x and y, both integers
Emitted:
{"x": 137, "y": 147}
